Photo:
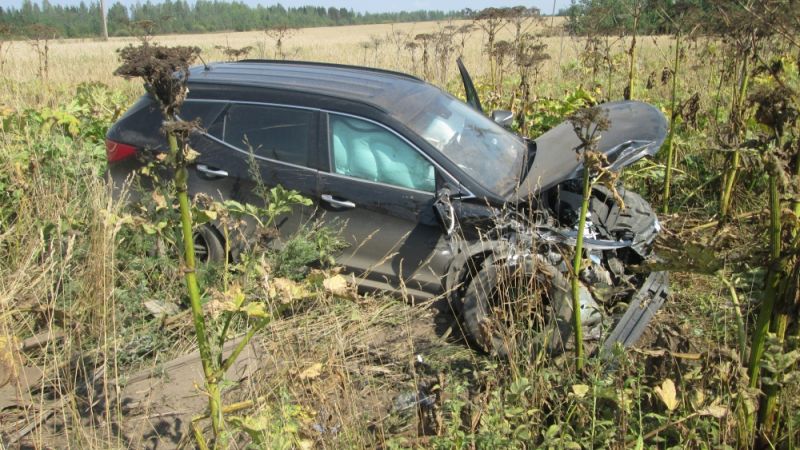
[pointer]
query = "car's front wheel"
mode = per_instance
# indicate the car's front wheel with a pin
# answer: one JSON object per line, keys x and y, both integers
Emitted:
{"x": 506, "y": 306}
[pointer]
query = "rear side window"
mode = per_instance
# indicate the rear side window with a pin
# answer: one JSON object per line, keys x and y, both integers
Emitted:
{"x": 364, "y": 150}
{"x": 282, "y": 134}
{"x": 204, "y": 112}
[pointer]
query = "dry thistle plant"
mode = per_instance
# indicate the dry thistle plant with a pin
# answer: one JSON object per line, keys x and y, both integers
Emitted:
{"x": 743, "y": 40}
{"x": 412, "y": 47}
{"x": 530, "y": 56}
{"x": 398, "y": 38}
{"x": 425, "y": 40}
{"x": 443, "y": 48}
{"x": 463, "y": 32}
{"x": 775, "y": 96}
{"x": 39, "y": 36}
{"x": 501, "y": 53}
{"x": 588, "y": 123}
{"x": 143, "y": 30}
{"x": 491, "y": 21}
{"x": 165, "y": 71}
{"x": 522, "y": 19}
{"x": 279, "y": 34}
{"x": 234, "y": 54}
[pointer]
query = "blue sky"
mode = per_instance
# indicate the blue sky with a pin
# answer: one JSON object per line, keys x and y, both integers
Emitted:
{"x": 546, "y": 6}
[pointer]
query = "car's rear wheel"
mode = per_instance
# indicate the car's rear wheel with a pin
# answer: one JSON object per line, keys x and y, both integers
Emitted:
{"x": 506, "y": 306}
{"x": 208, "y": 245}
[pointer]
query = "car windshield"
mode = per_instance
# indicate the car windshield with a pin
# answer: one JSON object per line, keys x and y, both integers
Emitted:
{"x": 484, "y": 150}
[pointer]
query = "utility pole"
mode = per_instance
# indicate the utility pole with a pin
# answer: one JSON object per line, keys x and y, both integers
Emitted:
{"x": 103, "y": 19}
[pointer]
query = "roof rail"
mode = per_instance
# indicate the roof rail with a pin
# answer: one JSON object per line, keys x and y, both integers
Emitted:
{"x": 324, "y": 64}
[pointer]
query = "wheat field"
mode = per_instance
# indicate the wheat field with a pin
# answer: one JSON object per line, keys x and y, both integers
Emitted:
{"x": 75, "y": 61}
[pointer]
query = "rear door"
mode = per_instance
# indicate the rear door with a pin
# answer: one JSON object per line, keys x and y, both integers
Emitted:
{"x": 252, "y": 147}
{"x": 379, "y": 191}
{"x": 218, "y": 171}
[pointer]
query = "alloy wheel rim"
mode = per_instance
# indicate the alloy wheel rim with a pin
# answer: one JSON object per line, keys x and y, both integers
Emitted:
{"x": 201, "y": 249}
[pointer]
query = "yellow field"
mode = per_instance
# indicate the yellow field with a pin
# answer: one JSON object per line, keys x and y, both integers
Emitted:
{"x": 80, "y": 60}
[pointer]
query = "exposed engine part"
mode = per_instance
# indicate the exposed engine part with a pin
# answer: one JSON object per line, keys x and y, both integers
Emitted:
{"x": 591, "y": 314}
{"x": 596, "y": 274}
{"x": 636, "y": 222}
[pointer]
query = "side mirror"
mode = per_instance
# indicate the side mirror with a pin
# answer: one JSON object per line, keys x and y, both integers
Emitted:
{"x": 503, "y": 117}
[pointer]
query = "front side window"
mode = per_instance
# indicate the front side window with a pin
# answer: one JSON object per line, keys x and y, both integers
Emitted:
{"x": 282, "y": 134}
{"x": 367, "y": 151}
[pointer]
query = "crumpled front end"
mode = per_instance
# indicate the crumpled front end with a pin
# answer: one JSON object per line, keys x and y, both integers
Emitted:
{"x": 616, "y": 301}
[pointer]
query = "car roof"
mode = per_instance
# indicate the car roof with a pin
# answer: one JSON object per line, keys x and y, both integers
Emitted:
{"x": 380, "y": 88}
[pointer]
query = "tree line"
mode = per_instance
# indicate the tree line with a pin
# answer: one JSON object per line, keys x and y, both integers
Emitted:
{"x": 647, "y": 17}
{"x": 178, "y": 16}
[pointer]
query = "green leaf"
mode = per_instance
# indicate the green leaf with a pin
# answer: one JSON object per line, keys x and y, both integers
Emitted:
{"x": 202, "y": 216}
{"x": 523, "y": 432}
{"x": 580, "y": 390}
{"x": 255, "y": 309}
{"x": 148, "y": 228}
{"x": 520, "y": 386}
{"x": 234, "y": 205}
{"x": 235, "y": 295}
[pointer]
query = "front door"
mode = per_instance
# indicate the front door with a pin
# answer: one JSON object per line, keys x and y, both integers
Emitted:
{"x": 380, "y": 192}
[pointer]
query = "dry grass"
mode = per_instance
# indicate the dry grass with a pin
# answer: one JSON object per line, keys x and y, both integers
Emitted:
{"x": 61, "y": 292}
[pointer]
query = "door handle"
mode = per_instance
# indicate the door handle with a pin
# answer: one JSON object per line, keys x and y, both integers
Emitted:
{"x": 338, "y": 203}
{"x": 202, "y": 168}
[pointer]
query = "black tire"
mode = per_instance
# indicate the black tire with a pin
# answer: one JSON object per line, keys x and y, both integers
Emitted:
{"x": 501, "y": 296}
{"x": 208, "y": 245}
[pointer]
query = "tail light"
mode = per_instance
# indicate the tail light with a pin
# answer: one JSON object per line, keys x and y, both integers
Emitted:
{"x": 116, "y": 151}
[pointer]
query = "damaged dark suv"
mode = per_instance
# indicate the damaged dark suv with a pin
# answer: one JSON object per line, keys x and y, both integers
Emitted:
{"x": 433, "y": 198}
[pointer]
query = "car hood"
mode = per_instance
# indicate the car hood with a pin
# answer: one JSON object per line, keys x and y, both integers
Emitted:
{"x": 636, "y": 130}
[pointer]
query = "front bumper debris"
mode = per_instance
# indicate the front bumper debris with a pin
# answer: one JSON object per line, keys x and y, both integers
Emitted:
{"x": 641, "y": 310}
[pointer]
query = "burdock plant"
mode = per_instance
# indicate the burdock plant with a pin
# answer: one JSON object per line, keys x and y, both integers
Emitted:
{"x": 775, "y": 96}
{"x": 588, "y": 123}
{"x": 165, "y": 71}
